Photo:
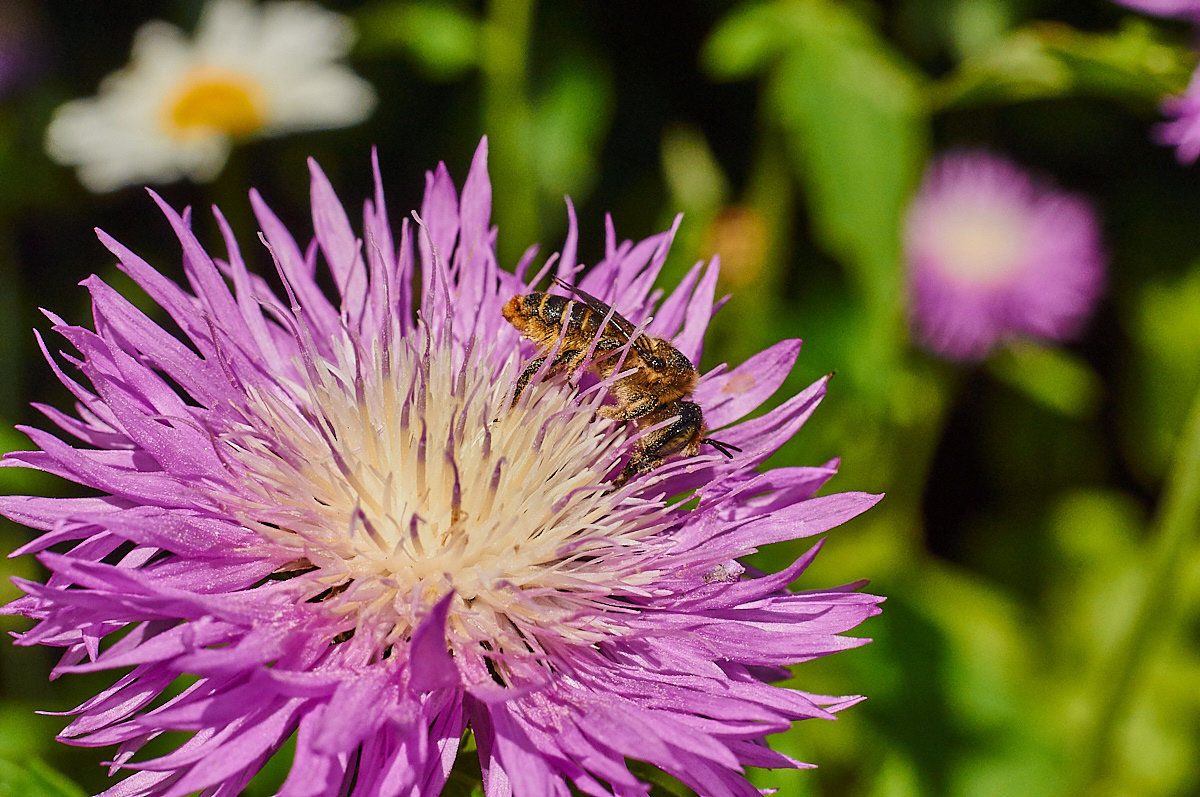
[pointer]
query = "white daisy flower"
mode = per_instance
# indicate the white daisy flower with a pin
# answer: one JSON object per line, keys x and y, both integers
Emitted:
{"x": 176, "y": 109}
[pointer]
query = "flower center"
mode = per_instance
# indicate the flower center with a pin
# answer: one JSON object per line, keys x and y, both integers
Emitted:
{"x": 980, "y": 244}
{"x": 402, "y": 475}
{"x": 214, "y": 100}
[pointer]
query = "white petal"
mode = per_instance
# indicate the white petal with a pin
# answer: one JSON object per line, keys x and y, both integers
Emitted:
{"x": 333, "y": 97}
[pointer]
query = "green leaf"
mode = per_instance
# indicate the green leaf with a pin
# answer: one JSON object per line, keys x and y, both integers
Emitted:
{"x": 696, "y": 182}
{"x": 854, "y": 115}
{"x": 744, "y": 42}
{"x": 1054, "y": 378}
{"x": 976, "y": 24}
{"x": 661, "y": 784}
{"x": 34, "y": 779}
{"x": 856, "y": 131}
{"x": 466, "y": 778}
{"x": 1157, "y": 388}
{"x": 14, "y": 479}
{"x": 442, "y": 38}
{"x": 1054, "y": 60}
{"x": 569, "y": 122}
{"x": 462, "y": 785}
{"x": 994, "y": 688}
{"x": 897, "y": 777}
{"x": 857, "y": 121}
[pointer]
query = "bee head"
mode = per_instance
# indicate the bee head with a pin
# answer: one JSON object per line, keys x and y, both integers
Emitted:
{"x": 661, "y": 356}
{"x": 668, "y": 367}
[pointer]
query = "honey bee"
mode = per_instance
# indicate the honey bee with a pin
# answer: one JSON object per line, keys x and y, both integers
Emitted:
{"x": 656, "y": 391}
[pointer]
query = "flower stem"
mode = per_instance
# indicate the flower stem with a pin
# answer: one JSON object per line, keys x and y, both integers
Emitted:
{"x": 1175, "y": 524}
{"x": 507, "y": 120}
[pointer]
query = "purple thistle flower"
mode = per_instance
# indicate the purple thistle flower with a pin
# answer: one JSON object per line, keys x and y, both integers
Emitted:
{"x": 993, "y": 254}
{"x": 1183, "y": 129}
{"x": 328, "y": 516}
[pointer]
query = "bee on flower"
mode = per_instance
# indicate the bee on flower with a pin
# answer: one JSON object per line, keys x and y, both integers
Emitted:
{"x": 180, "y": 105}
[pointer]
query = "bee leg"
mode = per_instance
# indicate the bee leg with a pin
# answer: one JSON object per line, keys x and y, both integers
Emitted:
{"x": 530, "y": 369}
{"x": 562, "y": 359}
{"x": 604, "y": 357}
{"x": 680, "y": 437}
{"x": 644, "y": 404}
{"x": 638, "y": 464}
{"x": 570, "y": 362}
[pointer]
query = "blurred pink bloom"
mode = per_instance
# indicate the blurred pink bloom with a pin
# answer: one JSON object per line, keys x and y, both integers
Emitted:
{"x": 993, "y": 253}
{"x": 22, "y": 44}
{"x": 1186, "y": 9}
{"x": 1183, "y": 131}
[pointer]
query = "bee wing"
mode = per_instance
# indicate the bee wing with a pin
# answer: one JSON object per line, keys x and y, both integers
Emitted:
{"x": 621, "y": 322}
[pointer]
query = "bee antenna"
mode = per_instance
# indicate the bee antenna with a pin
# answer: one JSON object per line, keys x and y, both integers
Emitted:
{"x": 724, "y": 448}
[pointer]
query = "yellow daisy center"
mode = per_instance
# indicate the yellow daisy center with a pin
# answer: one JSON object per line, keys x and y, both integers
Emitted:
{"x": 211, "y": 100}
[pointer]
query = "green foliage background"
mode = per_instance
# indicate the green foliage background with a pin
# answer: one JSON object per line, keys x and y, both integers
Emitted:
{"x": 1038, "y": 541}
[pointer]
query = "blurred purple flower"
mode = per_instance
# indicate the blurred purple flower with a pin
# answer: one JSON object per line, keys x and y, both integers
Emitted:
{"x": 329, "y": 518}
{"x": 993, "y": 254}
{"x": 1183, "y": 131}
{"x": 1185, "y": 9}
{"x": 22, "y": 44}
